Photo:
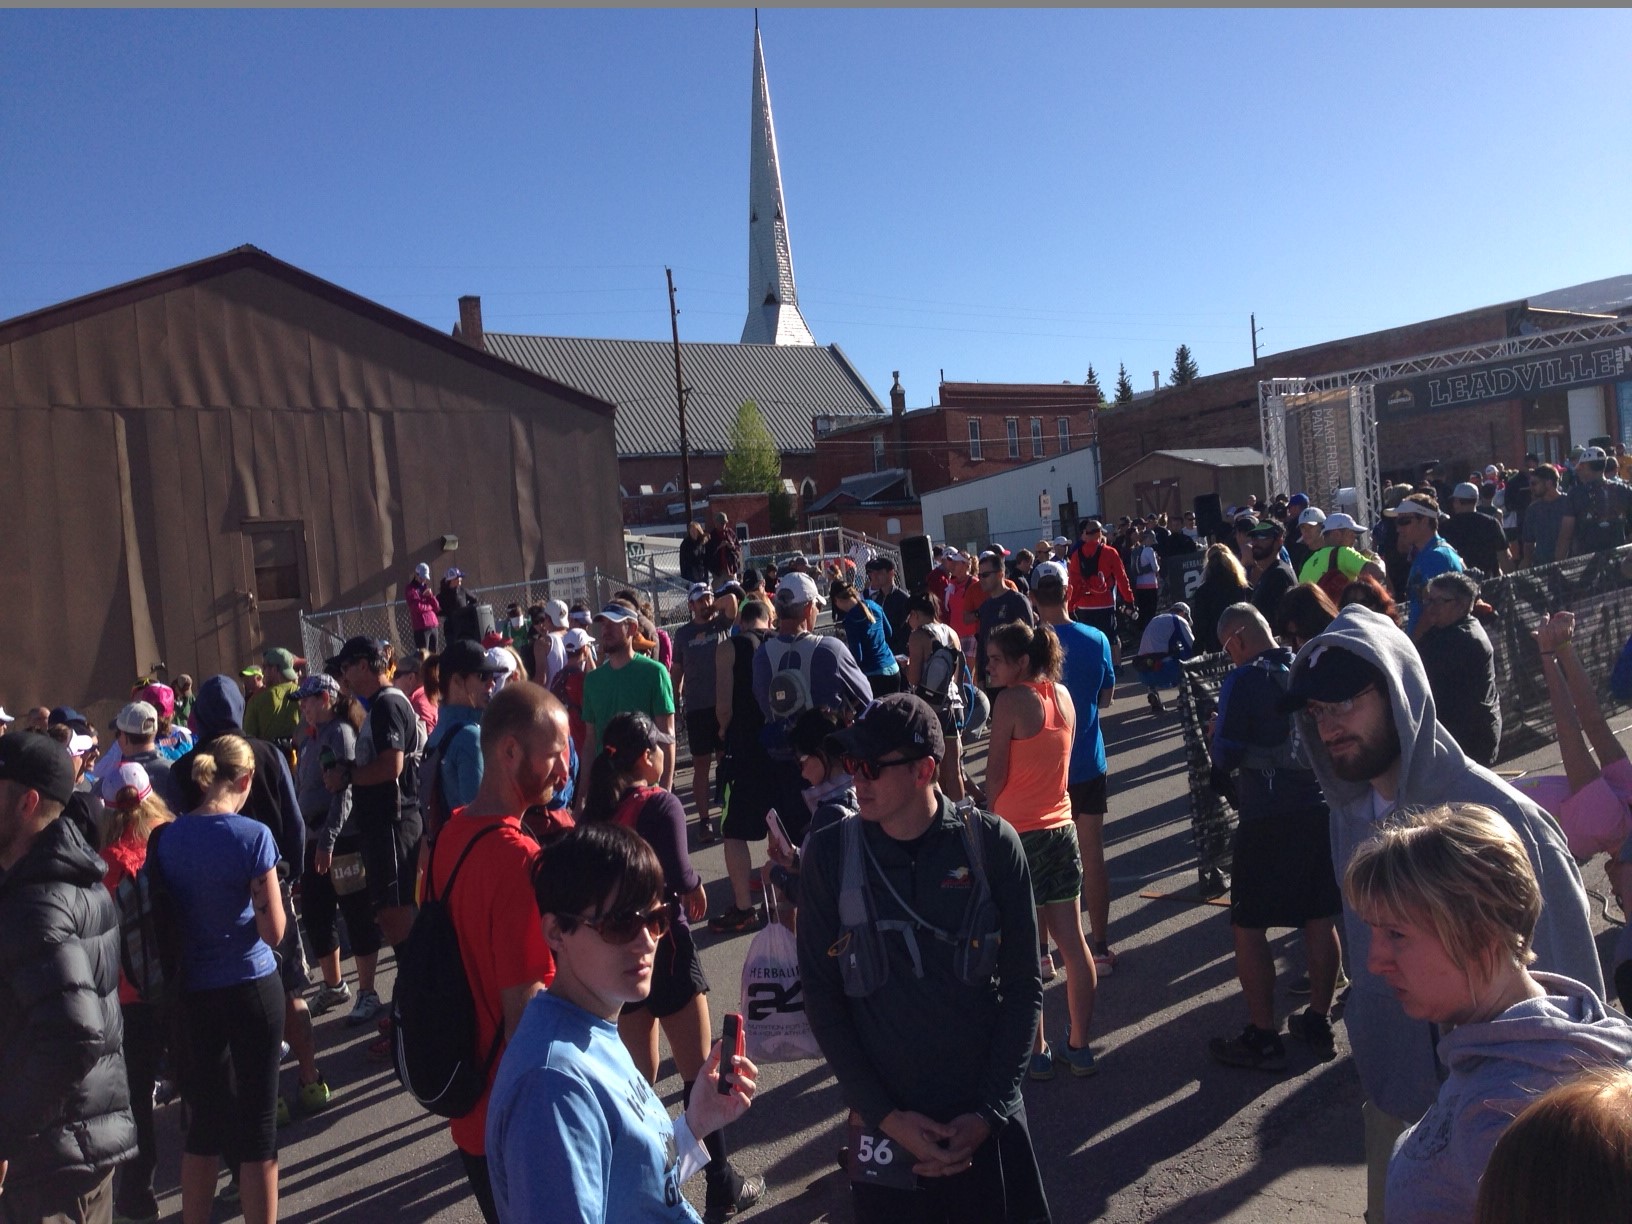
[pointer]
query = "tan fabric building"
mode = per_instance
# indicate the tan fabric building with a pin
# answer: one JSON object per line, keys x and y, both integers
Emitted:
{"x": 1170, "y": 480}
{"x": 197, "y": 457}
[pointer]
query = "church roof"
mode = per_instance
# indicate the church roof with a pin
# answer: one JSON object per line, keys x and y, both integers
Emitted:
{"x": 790, "y": 383}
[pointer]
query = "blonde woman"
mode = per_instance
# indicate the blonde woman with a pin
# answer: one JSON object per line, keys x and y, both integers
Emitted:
{"x": 221, "y": 870}
{"x": 1452, "y": 903}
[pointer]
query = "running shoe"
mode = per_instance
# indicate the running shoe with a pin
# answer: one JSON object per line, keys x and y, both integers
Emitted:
{"x": 731, "y": 1196}
{"x": 315, "y": 1097}
{"x": 1041, "y": 1066}
{"x": 283, "y": 1111}
{"x": 1080, "y": 1061}
{"x": 366, "y": 1007}
{"x": 1045, "y": 967}
{"x": 1104, "y": 960}
{"x": 229, "y": 1195}
{"x": 1311, "y": 1027}
{"x": 330, "y": 997}
{"x": 733, "y": 920}
{"x": 1254, "y": 1048}
{"x": 1155, "y": 701}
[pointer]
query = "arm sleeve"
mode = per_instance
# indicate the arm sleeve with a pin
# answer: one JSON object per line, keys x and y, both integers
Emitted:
{"x": 54, "y": 1033}
{"x": 662, "y": 823}
{"x": 555, "y": 1148}
{"x": 1021, "y": 989}
{"x": 831, "y": 1020}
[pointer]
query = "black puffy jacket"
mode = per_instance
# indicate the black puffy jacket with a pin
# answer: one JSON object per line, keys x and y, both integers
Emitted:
{"x": 64, "y": 1103}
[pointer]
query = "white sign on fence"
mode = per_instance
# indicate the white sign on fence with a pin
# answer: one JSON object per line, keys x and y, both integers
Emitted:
{"x": 566, "y": 580}
{"x": 1045, "y": 507}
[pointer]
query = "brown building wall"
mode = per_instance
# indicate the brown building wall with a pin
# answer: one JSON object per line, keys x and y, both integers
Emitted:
{"x": 153, "y": 428}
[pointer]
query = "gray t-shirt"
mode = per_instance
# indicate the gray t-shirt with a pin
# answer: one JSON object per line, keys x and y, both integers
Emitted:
{"x": 694, "y": 647}
{"x": 1542, "y": 520}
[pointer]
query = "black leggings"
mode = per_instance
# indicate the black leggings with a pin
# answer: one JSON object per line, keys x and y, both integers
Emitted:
{"x": 319, "y": 902}
{"x": 230, "y": 1074}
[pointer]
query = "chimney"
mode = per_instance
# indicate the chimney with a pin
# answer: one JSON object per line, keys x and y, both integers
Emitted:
{"x": 898, "y": 397}
{"x": 470, "y": 320}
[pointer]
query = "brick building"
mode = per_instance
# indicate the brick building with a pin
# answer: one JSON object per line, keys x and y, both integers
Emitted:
{"x": 1221, "y": 410}
{"x": 869, "y": 474}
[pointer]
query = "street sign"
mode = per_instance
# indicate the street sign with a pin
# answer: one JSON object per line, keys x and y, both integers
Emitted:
{"x": 1045, "y": 507}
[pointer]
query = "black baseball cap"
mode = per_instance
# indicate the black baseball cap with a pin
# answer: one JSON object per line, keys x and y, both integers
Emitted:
{"x": 901, "y": 722}
{"x": 39, "y": 763}
{"x": 467, "y": 658}
{"x": 360, "y": 649}
{"x": 1331, "y": 674}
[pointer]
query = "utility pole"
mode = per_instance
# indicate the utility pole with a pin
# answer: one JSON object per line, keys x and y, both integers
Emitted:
{"x": 1254, "y": 319}
{"x": 681, "y": 394}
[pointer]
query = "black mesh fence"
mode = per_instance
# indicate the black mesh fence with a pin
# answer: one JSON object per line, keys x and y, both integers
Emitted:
{"x": 1597, "y": 588}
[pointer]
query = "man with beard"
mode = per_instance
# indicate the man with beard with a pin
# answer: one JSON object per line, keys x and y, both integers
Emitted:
{"x": 1270, "y": 573}
{"x": 1368, "y": 722}
{"x": 524, "y": 758}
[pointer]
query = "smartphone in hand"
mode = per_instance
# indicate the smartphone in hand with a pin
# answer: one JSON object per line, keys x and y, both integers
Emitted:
{"x": 784, "y": 843}
{"x": 731, "y": 1049}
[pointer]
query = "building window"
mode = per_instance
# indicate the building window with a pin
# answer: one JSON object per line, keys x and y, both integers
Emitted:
{"x": 824, "y": 426}
{"x": 974, "y": 437}
{"x": 1036, "y": 437}
{"x": 671, "y": 487}
{"x": 892, "y": 526}
{"x": 1012, "y": 425}
{"x": 878, "y": 452}
{"x": 1064, "y": 424}
{"x": 274, "y": 552}
{"x": 807, "y": 490}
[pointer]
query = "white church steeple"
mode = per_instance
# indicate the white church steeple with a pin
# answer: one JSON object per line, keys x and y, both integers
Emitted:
{"x": 773, "y": 301}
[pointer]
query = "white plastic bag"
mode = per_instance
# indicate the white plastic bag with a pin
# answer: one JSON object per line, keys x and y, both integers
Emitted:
{"x": 774, "y": 1023}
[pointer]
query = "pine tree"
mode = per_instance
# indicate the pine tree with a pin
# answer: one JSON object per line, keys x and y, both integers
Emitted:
{"x": 1124, "y": 385}
{"x": 1184, "y": 369}
{"x": 753, "y": 464}
{"x": 1092, "y": 382}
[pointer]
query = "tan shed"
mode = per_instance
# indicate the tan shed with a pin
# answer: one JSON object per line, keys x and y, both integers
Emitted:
{"x": 198, "y": 457}
{"x": 1171, "y": 480}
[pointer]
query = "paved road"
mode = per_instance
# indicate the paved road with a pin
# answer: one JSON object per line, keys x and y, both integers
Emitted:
{"x": 1160, "y": 1134}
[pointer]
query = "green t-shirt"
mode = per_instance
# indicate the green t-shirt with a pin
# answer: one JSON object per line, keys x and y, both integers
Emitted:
{"x": 273, "y": 713}
{"x": 641, "y": 684}
{"x": 1349, "y": 563}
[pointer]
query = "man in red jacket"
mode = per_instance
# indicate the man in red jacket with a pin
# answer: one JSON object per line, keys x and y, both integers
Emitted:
{"x": 1098, "y": 580}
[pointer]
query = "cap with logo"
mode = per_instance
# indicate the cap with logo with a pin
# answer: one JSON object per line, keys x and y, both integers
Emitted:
{"x": 1312, "y": 515}
{"x": 1331, "y": 674}
{"x": 556, "y": 610}
{"x": 1592, "y": 454}
{"x": 126, "y": 787}
{"x": 138, "y": 718}
{"x": 901, "y": 722}
{"x": 617, "y": 613}
{"x": 38, "y": 763}
{"x": 699, "y": 590}
{"x": 452, "y": 572}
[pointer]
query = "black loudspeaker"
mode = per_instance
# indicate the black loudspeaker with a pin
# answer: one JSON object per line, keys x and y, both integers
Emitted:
{"x": 1209, "y": 514}
{"x": 916, "y": 561}
{"x": 471, "y": 624}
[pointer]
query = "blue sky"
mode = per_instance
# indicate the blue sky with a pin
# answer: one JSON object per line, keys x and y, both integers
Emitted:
{"x": 1002, "y": 195}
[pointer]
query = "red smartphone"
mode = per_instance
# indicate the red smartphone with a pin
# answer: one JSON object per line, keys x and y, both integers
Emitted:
{"x": 730, "y": 1049}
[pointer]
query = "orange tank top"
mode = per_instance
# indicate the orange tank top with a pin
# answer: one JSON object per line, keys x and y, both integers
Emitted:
{"x": 1034, "y": 796}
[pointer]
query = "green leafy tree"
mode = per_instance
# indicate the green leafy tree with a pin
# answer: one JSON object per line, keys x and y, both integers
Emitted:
{"x": 1092, "y": 382}
{"x": 753, "y": 464}
{"x": 1184, "y": 368}
{"x": 1124, "y": 385}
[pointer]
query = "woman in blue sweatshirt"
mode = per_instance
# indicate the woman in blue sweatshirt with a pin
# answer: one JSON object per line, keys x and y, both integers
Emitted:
{"x": 867, "y": 633}
{"x": 1452, "y": 902}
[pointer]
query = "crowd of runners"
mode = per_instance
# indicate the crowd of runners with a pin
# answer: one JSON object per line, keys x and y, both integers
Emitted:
{"x": 179, "y": 890}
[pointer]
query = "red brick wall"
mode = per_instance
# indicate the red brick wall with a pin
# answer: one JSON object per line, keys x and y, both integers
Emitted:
{"x": 1463, "y": 439}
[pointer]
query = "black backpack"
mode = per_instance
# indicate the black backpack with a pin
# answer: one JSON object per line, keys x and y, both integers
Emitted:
{"x": 433, "y": 1013}
{"x": 149, "y": 933}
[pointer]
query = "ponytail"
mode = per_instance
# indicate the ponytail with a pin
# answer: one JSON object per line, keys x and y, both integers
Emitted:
{"x": 626, "y": 737}
{"x": 1039, "y": 647}
{"x": 222, "y": 761}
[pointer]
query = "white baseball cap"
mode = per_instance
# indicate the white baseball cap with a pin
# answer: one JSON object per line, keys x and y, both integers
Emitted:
{"x": 499, "y": 657}
{"x": 556, "y": 611}
{"x": 1341, "y": 522}
{"x": 795, "y": 590}
{"x": 1312, "y": 515}
{"x": 575, "y": 639}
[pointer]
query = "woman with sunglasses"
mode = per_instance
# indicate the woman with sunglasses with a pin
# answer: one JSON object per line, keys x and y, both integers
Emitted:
{"x": 1452, "y": 903}
{"x": 623, "y": 791}
{"x": 1027, "y": 769}
{"x": 574, "y": 1130}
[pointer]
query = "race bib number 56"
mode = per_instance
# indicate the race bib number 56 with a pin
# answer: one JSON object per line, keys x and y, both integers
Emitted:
{"x": 876, "y": 1160}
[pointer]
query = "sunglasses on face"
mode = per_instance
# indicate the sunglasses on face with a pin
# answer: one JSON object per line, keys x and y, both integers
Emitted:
{"x": 620, "y": 929}
{"x": 872, "y": 770}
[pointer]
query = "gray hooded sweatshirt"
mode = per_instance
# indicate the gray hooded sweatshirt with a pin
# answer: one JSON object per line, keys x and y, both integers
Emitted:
{"x": 1497, "y": 1067}
{"x": 1393, "y": 1053}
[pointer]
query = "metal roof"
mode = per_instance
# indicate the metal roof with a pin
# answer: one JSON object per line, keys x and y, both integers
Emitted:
{"x": 790, "y": 383}
{"x": 1612, "y": 295}
{"x": 1219, "y": 456}
{"x": 863, "y": 487}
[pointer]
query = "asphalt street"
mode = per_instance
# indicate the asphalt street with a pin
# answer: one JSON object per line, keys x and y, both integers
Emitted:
{"x": 1161, "y": 1134}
